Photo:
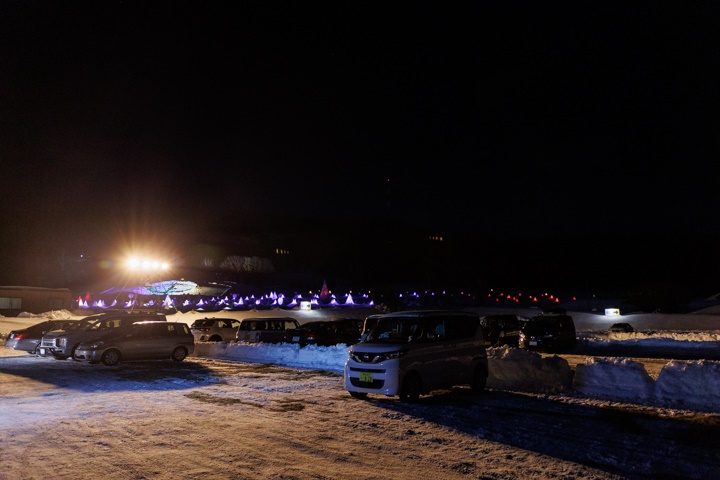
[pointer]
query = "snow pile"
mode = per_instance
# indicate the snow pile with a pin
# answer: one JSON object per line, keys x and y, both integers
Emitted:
{"x": 287, "y": 354}
{"x": 711, "y": 336}
{"x": 691, "y": 385}
{"x": 51, "y": 315}
{"x": 520, "y": 370}
{"x": 615, "y": 379}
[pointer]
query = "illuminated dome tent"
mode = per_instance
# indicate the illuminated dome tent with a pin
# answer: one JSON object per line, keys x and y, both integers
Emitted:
{"x": 170, "y": 287}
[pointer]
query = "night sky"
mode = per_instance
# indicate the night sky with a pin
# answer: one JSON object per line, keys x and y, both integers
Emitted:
{"x": 180, "y": 123}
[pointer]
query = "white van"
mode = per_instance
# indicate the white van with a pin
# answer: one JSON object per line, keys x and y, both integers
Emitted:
{"x": 412, "y": 353}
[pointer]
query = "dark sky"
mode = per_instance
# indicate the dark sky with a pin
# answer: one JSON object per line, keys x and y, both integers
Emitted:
{"x": 194, "y": 120}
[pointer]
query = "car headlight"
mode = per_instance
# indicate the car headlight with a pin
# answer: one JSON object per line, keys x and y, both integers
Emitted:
{"x": 62, "y": 342}
{"x": 93, "y": 345}
{"x": 392, "y": 355}
{"x": 363, "y": 357}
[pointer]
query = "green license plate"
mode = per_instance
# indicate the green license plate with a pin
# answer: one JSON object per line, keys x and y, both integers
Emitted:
{"x": 366, "y": 377}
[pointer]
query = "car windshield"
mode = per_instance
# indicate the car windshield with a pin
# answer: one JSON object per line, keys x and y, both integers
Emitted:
{"x": 64, "y": 325}
{"x": 203, "y": 323}
{"x": 542, "y": 323}
{"x": 394, "y": 330}
{"x": 79, "y": 325}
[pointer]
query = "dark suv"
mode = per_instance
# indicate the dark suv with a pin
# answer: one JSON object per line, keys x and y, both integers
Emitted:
{"x": 501, "y": 330}
{"x": 549, "y": 332}
{"x": 61, "y": 344}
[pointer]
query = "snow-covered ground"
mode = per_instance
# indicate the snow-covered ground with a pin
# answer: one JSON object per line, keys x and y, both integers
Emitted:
{"x": 278, "y": 411}
{"x": 683, "y": 384}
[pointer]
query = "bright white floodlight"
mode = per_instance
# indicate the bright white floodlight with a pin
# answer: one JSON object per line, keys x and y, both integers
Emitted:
{"x": 146, "y": 265}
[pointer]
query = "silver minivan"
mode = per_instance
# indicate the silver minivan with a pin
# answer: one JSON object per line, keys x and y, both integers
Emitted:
{"x": 412, "y": 353}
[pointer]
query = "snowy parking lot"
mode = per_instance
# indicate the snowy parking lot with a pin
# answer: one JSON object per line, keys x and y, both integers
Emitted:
{"x": 211, "y": 419}
{"x": 278, "y": 411}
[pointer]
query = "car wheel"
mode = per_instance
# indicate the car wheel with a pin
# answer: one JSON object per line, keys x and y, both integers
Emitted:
{"x": 479, "y": 380}
{"x": 215, "y": 338}
{"x": 410, "y": 389}
{"x": 179, "y": 354}
{"x": 110, "y": 358}
{"x": 360, "y": 395}
{"x": 60, "y": 357}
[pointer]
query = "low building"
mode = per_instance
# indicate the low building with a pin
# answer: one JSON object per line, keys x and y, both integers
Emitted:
{"x": 15, "y": 300}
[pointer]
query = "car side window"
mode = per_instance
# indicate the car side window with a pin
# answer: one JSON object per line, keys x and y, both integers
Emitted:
{"x": 435, "y": 329}
{"x": 461, "y": 328}
{"x": 142, "y": 331}
{"x": 114, "y": 323}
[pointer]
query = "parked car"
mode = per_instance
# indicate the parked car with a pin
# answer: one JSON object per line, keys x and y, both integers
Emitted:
{"x": 356, "y": 323}
{"x": 28, "y": 338}
{"x": 266, "y": 330}
{"x": 326, "y": 333}
{"x": 550, "y": 333}
{"x": 501, "y": 330}
{"x": 149, "y": 340}
{"x": 61, "y": 344}
{"x": 415, "y": 352}
{"x": 621, "y": 328}
{"x": 215, "y": 329}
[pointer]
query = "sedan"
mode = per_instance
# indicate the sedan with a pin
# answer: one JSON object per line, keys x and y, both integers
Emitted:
{"x": 28, "y": 338}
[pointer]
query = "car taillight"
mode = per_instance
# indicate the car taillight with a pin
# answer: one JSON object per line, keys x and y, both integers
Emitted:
{"x": 311, "y": 337}
{"x": 18, "y": 336}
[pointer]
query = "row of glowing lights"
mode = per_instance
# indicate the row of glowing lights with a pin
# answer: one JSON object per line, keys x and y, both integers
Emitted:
{"x": 516, "y": 298}
{"x": 145, "y": 264}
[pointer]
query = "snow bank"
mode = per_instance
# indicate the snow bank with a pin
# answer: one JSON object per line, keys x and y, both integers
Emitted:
{"x": 693, "y": 385}
{"x": 290, "y": 355}
{"x": 615, "y": 379}
{"x": 520, "y": 370}
{"x": 51, "y": 315}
